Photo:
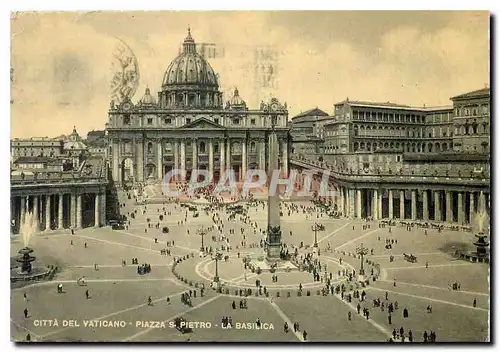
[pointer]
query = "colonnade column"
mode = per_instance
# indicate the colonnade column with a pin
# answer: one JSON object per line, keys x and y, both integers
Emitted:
{"x": 401, "y": 205}
{"x": 414, "y": 205}
{"x": 35, "y": 212}
{"x": 160, "y": 161}
{"x": 243, "y": 160}
{"x": 23, "y": 211}
{"x": 79, "y": 211}
{"x": 47, "y": 212}
{"x": 391, "y": 206}
{"x": 482, "y": 202}
{"x": 211, "y": 159}
{"x": 425, "y": 206}
{"x": 460, "y": 208}
{"x": 60, "y": 224}
{"x": 472, "y": 208}
{"x": 222, "y": 157}
{"x": 72, "y": 221}
{"x": 449, "y": 214}
{"x": 341, "y": 207}
{"x": 358, "y": 204}
{"x": 102, "y": 208}
{"x": 351, "y": 202}
{"x": 194, "y": 146}
{"x": 437, "y": 206}
{"x": 96, "y": 211}
{"x": 375, "y": 205}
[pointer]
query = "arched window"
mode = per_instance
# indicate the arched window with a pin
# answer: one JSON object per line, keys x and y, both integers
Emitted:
{"x": 429, "y": 147}
{"x": 202, "y": 148}
{"x": 252, "y": 147}
{"x": 150, "y": 147}
{"x": 356, "y": 130}
{"x": 356, "y": 146}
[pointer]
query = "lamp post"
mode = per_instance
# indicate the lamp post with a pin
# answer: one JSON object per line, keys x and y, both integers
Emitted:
{"x": 202, "y": 232}
{"x": 362, "y": 251}
{"x": 316, "y": 227}
{"x": 217, "y": 257}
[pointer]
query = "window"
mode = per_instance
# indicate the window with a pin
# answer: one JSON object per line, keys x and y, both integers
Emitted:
{"x": 202, "y": 148}
{"x": 236, "y": 121}
{"x": 216, "y": 120}
{"x": 216, "y": 148}
{"x": 188, "y": 120}
{"x": 126, "y": 120}
{"x": 398, "y": 158}
{"x": 150, "y": 121}
{"x": 167, "y": 121}
{"x": 252, "y": 122}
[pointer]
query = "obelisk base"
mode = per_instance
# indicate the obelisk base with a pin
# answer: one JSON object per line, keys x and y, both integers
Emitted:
{"x": 273, "y": 251}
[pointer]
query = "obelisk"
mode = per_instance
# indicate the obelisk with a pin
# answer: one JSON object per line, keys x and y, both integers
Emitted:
{"x": 273, "y": 241}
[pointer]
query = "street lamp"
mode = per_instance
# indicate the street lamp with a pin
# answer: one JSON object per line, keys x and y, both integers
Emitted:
{"x": 316, "y": 227}
{"x": 217, "y": 257}
{"x": 362, "y": 251}
{"x": 202, "y": 232}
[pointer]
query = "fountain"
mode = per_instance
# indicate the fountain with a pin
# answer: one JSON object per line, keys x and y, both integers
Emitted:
{"x": 29, "y": 226}
{"x": 481, "y": 254}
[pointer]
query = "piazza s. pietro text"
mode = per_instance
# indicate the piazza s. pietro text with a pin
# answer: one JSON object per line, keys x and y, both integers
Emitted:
{"x": 250, "y": 177}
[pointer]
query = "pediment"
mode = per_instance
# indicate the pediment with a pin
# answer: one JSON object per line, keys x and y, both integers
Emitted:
{"x": 203, "y": 124}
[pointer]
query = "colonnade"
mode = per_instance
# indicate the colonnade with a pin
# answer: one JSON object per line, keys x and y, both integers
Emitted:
{"x": 459, "y": 206}
{"x": 57, "y": 211}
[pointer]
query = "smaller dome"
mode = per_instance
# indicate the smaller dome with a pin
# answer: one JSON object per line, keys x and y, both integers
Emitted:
{"x": 236, "y": 102}
{"x": 147, "y": 99}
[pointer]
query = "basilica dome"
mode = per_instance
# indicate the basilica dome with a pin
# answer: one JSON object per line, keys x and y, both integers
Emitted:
{"x": 189, "y": 81}
{"x": 189, "y": 68}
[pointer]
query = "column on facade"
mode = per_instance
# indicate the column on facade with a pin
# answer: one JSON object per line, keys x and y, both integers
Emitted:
{"x": 47, "y": 212}
{"x": 211, "y": 158}
{"x": 140, "y": 159}
{"x": 244, "y": 162}
{"x": 401, "y": 205}
{"x": 472, "y": 208}
{"x": 72, "y": 219}
{"x": 36, "y": 212}
{"x": 182, "y": 164}
{"x": 222, "y": 156}
{"x": 391, "y": 205}
{"x": 358, "y": 204}
{"x": 176, "y": 158}
{"x": 284, "y": 156}
{"x": 425, "y": 205}
{"x": 23, "y": 211}
{"x": 379, "y": 204}
{"x": 60, "y": 224}
{"x": 160, "y": 160}
{"x": 79, "y": 211}
{"x": 115, "y": 160}
{"x": 194, "y": 149}
{"x": 460, "y": 208}
{"x": 97, "y": 210}
{"x": 228, "y": 160}
{"x": 449, "y": 214}
{"x": 437, "y": 206}
{"x": 375, "y": 205}
{"x": 262, "y": 154}
{"x": 414, "y": 204}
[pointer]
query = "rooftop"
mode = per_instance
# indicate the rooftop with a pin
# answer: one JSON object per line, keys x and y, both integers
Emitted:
{"x": 483, "y": 92}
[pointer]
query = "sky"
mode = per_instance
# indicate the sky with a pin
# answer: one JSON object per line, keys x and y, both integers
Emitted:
{"x": 62, "y": 61}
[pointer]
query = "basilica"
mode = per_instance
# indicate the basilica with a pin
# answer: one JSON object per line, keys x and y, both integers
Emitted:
{"x": 189, "y": 126}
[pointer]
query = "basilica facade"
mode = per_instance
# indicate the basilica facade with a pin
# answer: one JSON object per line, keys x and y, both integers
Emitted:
{"x": 189, "y": 126}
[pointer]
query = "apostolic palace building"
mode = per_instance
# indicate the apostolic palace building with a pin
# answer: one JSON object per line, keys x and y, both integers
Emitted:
{"x": 189, "y": 126}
